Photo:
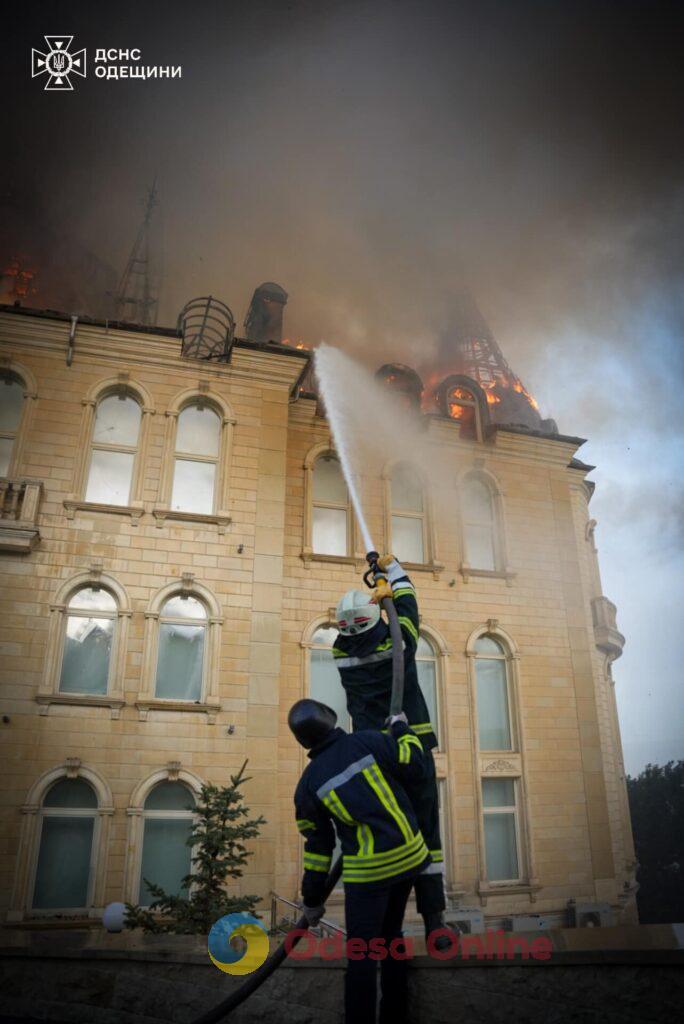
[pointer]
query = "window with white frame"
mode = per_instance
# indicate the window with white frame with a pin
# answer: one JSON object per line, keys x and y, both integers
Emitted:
{"x": 408, "y": 525}
{"x": 493, "y": 695}
{"x": 181, "y": 649}
{"x": 426, "y": 665}
{"x": 64, "y": 862}
{"x": 478, "y": 515}
{"x": 90, "y": 623}
{"x": 195, "y": 467}
{"x": 324, "y": 679}
{"x": 168, "y": 818}
{"x": 501, "y": 829}
{"x": 11, "y": 408}
{"x": 330, "y": 513}
{"x": 113, "y": 450}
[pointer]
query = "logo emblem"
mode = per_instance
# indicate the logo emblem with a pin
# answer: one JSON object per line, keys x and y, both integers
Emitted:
{"x": 229, "y": 959}
{"x": 58, "y": 63}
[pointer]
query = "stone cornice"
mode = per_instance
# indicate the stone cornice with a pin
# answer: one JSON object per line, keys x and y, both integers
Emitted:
{"x": 272, "y": 367}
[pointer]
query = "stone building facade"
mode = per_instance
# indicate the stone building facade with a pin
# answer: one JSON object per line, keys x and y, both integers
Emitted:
{"x": 174, "y": 535}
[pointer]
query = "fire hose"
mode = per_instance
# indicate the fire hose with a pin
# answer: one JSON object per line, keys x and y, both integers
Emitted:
{"x": 231, "y": 1002}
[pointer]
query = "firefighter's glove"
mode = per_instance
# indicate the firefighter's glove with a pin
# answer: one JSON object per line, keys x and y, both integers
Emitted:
{"x": 313, "y": 914}
{"x": 385, "y": 561}
{"x": 396, "y": 720}
{"x": 381, "y": 592}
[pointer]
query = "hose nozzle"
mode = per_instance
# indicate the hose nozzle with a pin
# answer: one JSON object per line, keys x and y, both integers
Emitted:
{"x": 370, "y": 575}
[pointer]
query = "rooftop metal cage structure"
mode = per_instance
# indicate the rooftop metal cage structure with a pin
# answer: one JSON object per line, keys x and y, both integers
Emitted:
{"x": 207, "y": 329}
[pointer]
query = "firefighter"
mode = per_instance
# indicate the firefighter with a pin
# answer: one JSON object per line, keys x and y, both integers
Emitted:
{"x": 363, "y": 654}
{"x": 356, "y": 781}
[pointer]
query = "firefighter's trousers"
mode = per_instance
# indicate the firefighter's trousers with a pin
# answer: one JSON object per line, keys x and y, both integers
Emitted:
{"x": 429, "y": 885}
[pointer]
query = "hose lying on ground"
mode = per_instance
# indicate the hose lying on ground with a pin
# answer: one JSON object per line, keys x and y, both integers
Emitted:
{"x": 276, "y": 958}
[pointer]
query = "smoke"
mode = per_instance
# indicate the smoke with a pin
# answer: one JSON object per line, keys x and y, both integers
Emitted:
{"x": 379, "y": 159}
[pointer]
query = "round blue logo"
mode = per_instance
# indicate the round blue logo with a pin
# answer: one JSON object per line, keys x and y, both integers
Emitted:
{"x": 229, "y": 959}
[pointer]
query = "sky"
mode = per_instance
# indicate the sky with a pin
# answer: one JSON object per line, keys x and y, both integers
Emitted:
{"x": 378, "y": 158}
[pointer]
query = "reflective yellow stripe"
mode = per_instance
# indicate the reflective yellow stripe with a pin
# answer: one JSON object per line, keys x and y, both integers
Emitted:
{"x": 385, "y": 645}
{"x": 316, "y": 862}
{"x": 402, "y": 591}
{"x": 378, "y": 784}
{"x": 336, "y": 807}
{"x": 421, "y": 728}
{"x": 405, "y": 621}
{"x": 405, "y": 743}
{"x": 436, "y": 855}
{"x": 305, "y": 823}
{"x": 364, "y": 835}
{"x": 365, "y": 839}
{"x": 387, "y": 870}
{"x": 359, "y": 863}
{"x": 337, "y": 653}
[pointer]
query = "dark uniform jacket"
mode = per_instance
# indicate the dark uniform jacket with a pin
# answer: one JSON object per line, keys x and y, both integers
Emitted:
{"x": 365, "y": 665}
{"x": 355, "y": 781}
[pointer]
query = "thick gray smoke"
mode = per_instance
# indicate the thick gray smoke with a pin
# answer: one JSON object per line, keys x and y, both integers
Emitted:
{"x": 377, "y": 159}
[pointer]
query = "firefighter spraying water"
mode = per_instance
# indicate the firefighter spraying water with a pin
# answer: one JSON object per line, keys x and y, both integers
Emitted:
{"x": 375, "y": 788}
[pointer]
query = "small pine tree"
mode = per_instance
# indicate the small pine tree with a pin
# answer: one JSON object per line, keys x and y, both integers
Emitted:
{"x": 219, "y": 834}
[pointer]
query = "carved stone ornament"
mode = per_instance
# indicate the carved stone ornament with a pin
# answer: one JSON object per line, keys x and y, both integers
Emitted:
{"x": 173, "y": 768}
{"x": 72, "y": 765}
{"x": 500, "y": 765}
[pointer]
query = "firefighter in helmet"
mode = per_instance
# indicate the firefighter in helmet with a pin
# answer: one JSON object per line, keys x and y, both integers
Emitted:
{"x": 363, "y": 655}
{"x": 358, "y": 782}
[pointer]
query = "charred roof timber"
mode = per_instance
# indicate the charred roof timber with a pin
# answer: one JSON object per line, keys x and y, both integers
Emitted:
{"x": 264, "y": 320}
{"x": 207, "y": 329}
{"x": 403, "y": 381}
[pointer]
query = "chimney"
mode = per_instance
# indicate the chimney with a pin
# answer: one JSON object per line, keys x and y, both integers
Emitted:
{"x": 264, "y": 320}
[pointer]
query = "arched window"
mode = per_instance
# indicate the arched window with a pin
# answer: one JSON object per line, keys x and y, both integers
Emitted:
{"x": 408, "y": 515}
{"x": 114, "y": 446}
{"x": 67, "y": 826}
{"x": 166, "y": 857}
{"x": 330, "y": 519}
{"x": 11, "y": 409}
{"x": 195, "y": 466}
{"x": 324, "y": 678}
{"x": 464, "y": 407}
{"x": 478, "y": 516}
{"x": 90, "y": 621}
{"x": 426, "y": 664}
{"x": 181, "y": 650}
{"x": 493, "y": 697}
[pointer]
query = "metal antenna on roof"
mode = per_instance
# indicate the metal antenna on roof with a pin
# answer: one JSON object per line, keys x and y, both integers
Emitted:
{"x": 137, "y": 297}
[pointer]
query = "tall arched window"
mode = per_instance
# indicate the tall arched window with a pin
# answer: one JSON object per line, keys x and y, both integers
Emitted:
{"x": 463, "y": 407}
{"x": 114, "y": 447}
{"x": 11, "y": 408}
{"x": 166, "y": 857}
{"x": 408, "y": 515}
{"x": 493, "y": 696}
{"x": 330, "y": 517}
{"x": 426, "y": 664}
{"x": 90, "y": 621}
{"x": 478, "y": 515}
{"x": 67, "y": 826}
{"x": 181, "y": 650}
{"x": 324, "y": 678}
{"x": 195, "y": 467}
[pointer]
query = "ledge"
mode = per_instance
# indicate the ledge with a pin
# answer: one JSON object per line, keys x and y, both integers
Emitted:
{"x": 219, "y": 519}
{"x": 72, "y": 506}
{"x": 487, "y": 574}
{"x": 17, "y": 536}
{"x": 486, "y": 890}
{"x": 192, "y": 707}
{"x": 434, "y": 567}
{"x": 311, "y": 556}
{"x": 89, "y": 700}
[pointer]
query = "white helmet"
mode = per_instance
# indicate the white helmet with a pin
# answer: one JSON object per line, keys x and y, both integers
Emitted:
{"x": 355, "y": 613}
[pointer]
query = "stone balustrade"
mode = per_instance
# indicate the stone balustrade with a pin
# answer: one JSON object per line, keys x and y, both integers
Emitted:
{"x": 19, "y": 507}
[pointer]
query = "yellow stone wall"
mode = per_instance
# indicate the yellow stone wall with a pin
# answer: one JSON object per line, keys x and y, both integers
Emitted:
{"x": 577, "y": 833}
